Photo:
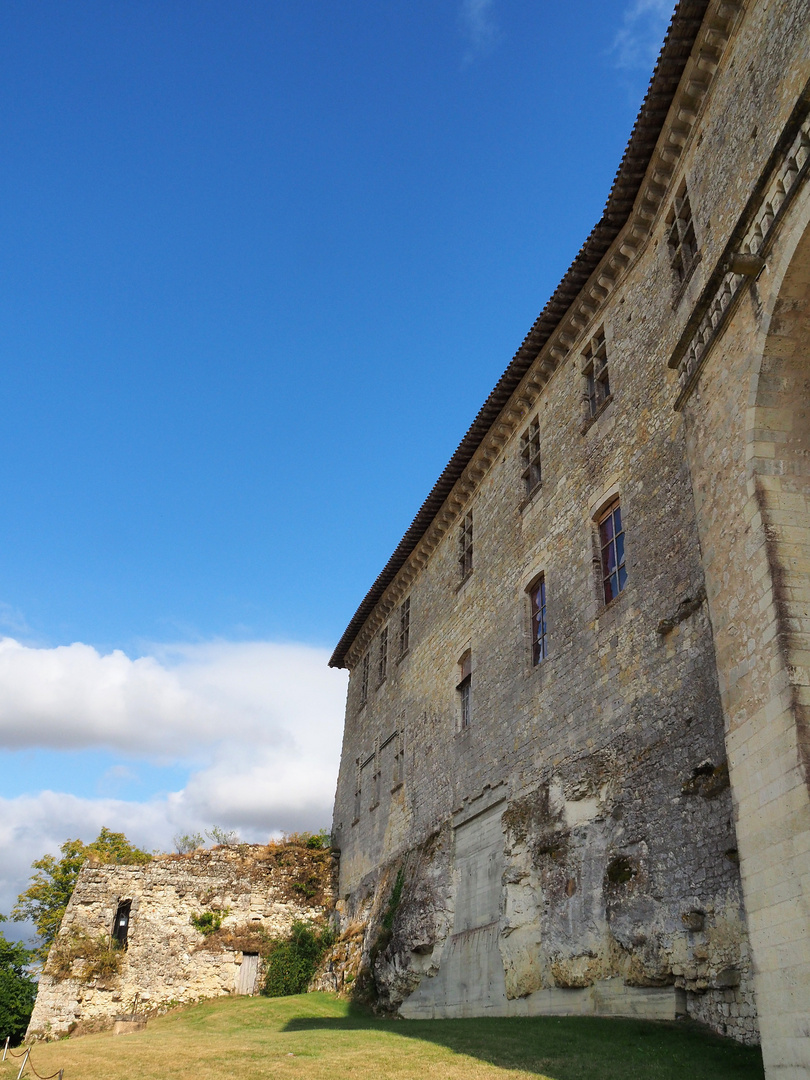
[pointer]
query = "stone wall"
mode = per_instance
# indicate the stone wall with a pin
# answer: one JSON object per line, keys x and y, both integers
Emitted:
{"x": 574, "y": 848}
{"x": 257, "y": 891}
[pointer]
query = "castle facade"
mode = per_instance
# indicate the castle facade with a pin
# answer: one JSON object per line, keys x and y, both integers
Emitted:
{"x": 576, "y": 760}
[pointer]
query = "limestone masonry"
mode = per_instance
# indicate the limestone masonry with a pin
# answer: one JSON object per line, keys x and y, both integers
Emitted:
{"x": 575, "y": 763}
{"x": 253, "y": 892}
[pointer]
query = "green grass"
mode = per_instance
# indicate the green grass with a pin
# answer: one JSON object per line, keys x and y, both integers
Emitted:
{"x": 318, "y": 1037}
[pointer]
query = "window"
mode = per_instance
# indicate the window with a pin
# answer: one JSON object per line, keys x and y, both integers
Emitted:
{"x": 537, "y": 594}
{"x": 681, "y": 236}
{"x": 382, "y": 667}
{"x": 611, "y": 542}
{"x": 465, "y": 689}
{"x": 358, "y": 789}
{"x": 404, "y": 626}
{"x": 121, "y": 925}
{"x": 399, "y": 759}
{"x": 595, "y": 370}
{"x": 364, "y": 680}
{"x": 465, "y": 544}
{"x": 375, "y": 778}
{"x": 530, "y": 452}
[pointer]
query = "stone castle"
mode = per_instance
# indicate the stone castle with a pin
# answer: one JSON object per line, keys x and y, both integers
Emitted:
{"x": 137, "y": 940}
{"x": 577, "y": 737}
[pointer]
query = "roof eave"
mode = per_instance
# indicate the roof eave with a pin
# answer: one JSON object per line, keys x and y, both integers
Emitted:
{"x": 675, "y": 52}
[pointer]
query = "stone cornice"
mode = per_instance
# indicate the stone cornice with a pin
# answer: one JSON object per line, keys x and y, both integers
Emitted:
{"x": 696, "y": 40}
{"x": 744, "y": 255}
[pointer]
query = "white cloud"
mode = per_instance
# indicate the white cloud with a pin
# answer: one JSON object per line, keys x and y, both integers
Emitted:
{"x": 639, "y": 39}
{"x": 262, "y": 723}
{"x": 175, "y": 703}
{"x": 479, "y": 27}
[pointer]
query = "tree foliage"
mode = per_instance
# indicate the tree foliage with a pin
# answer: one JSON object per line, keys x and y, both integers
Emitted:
{"x": 17, "y": 989}
{"x": 51, "y": 887}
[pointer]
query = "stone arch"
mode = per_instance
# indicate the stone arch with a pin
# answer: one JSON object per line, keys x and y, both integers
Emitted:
{"x": 778, "y": 465}
{"x": 766, "y": 665}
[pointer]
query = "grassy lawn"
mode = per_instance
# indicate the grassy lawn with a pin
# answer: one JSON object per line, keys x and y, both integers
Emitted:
{"x": 318, "y": 1037}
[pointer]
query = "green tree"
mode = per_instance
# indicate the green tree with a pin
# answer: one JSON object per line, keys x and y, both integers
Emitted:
{"x": 51, "y": 887}
{"x": 17, "y": 989}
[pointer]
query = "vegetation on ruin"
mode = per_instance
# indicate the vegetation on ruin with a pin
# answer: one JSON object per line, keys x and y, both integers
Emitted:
{"x": 208, "y": 922}
{"x": 243, "y": 938}
{"x": 185, "y": 843}
{"x": 291, "y": 962}
{"x": 51, "y": 887}
{"x": 318, "y": 841}
{"x": 321, "y": 1037}
{"x": 100, "y": 957}
{"x": 366, "y": 990}
{"x": 17, "y": 989}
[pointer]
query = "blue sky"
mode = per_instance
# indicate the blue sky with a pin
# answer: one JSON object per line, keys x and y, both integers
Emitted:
{"x": 261, "y": 264}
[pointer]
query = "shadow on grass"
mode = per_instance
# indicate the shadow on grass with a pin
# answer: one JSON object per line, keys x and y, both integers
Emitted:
{"x": 569, "y": 1048}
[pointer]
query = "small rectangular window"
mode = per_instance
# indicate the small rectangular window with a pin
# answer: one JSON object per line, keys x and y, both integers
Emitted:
{"x": 121, "y": 926}
{"x": 611, "y": 542}
{"x": 681, "y": 235}
{"x": 464, "y": 689}
{"x": 530, "y": 453}
{"x": 382, "y": 667}
{"x": 364, "y": 680}
{"x": 399, "y": 759}
{"x": 358, "y": 788}
{"x": 375, "y": 781}
{"x": 595, "y": 372}
{"x": 465, "y": 544}
{"x": 539, "y": 640}
{"x": 404, "y": 626}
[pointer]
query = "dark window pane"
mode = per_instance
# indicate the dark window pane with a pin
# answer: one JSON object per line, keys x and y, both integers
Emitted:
{"x": 622, "y": 578}
{"x": 606, "y": 529}
{"x": 620, "y": 548}
{"x": 610, "y": 558}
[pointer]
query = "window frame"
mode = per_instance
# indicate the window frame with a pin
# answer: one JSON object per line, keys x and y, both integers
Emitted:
{"x": 404, "y": 627}
{"x": 465, "y": 545}
{"x": 682, "y": 245}
{"x": 382, "y": 661}
{"x": 364, "y": 678}
{"x": 532, "y": 474}
{"x": 539, "y": 642}
{"x": 612, "y": 540}
{"x": 596, "y": 392}
{"x": 464, "y": 690}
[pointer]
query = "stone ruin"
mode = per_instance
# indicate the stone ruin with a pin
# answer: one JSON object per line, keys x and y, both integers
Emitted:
{"x": 138, "y": 940}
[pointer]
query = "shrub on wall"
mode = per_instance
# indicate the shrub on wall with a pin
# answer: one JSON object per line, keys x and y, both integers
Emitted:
{"x": 100, "y": 957}
{"x": 208, "y": 922}
{"x": 292, "y": 963}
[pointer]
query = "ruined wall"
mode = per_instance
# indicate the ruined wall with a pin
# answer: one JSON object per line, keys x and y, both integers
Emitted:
{"x": 574, "y": 849}
{"x": 260, "y": 891}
